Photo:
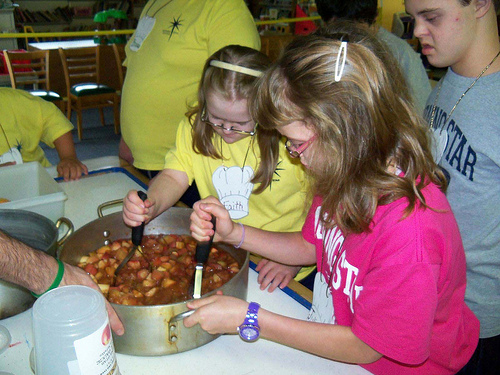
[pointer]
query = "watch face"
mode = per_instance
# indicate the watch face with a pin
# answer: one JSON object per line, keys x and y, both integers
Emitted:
{"x": 249, "y": 332}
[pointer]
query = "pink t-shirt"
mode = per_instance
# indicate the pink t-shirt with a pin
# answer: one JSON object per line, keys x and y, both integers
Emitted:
{"x": 400, "y": 287}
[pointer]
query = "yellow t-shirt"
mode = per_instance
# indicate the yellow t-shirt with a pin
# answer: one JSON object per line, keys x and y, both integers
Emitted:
{"x": 281, "y": 207}
{"x": 28, "y": 120}
{"x": 165, "y": 59}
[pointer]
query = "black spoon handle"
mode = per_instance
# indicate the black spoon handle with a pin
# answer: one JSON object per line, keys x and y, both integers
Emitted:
{"x": 138, "y": 231}
{"x": 203, "y": 248}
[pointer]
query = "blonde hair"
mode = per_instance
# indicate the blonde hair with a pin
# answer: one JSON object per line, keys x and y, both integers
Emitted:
{"x": 364, "y": 123}
{"x": 234, "y": 85}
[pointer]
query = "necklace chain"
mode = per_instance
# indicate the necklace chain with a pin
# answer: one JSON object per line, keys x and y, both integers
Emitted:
{"x": 5, "y": 135}
{"x": 433, "y": 114}
{"x": 250, "y": 143}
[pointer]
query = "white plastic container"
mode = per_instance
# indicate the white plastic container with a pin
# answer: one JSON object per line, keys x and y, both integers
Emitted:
{"x": 29, "y": 187}
{"x": 72, "y": 334}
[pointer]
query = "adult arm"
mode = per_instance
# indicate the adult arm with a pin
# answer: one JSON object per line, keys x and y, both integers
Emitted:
{"x": 222, "y": 314}
{"x": 124, "y": 152}
{"x": 69, "y": 167}
{"x": 164, "y": 191}
{"x": 36, "y": 270}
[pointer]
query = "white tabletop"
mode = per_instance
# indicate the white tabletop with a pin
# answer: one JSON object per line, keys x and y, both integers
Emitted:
{"x": 64, "y": 44}
{"x": 227, "y": 354}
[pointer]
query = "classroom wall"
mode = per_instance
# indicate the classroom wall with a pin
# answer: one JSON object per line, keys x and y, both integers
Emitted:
{"x": 389, "y": 7}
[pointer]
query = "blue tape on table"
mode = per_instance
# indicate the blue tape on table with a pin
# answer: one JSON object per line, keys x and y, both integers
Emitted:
{"x": 297, "y": 297}
{"x": 111, "y": 170}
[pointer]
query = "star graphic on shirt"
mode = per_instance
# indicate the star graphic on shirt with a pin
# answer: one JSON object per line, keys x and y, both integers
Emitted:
{"x": 19, "y": 146}
{"x": 174, "y": 27}
{"x": 277, "y": 173}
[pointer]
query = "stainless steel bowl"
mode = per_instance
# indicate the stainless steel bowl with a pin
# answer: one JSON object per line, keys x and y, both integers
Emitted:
{"x": 38, "y": 232}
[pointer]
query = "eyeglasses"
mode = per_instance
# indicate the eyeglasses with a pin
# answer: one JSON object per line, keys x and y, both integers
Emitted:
{"x": 296, "y": 151}
{"x": 204, "y": 118}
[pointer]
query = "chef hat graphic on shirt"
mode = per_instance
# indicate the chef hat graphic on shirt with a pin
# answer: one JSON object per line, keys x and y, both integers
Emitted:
{"x": 234, "y": 188}
{"x": 13, "y": 155}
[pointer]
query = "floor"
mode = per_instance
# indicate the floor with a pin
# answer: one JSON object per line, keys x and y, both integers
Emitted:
{"x": 97, "y": 140}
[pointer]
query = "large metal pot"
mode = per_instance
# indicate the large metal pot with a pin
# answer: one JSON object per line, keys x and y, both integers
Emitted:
{"x": 38, "y": 232}
{"x": 152, "y": 330}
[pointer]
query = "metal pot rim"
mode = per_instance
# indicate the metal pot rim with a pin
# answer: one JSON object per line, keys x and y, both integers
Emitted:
{"x": 151, "y": 330}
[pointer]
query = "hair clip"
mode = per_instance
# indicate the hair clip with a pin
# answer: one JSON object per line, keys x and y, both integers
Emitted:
{"x": 343, "y": 56}
{"x": 235, "y": 68}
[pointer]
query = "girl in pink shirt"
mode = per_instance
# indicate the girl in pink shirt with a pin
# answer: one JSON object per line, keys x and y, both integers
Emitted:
{"x": 389, "y": 292}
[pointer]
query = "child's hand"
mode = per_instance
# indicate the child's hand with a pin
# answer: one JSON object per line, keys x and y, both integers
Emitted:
{"x": 201, "y": 227}
{"x": 217, "y": 314}
{"x": 71, "y": 169}
{"x": 135, "y": 211}
{"x": 274, "y": 274}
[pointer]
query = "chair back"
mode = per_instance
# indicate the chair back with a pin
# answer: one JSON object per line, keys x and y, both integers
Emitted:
{"x": 119, "y": 51}
{"x": 80, "y": 65}
{"x": 27, "y": 30}
{"x": 29, "y": 68}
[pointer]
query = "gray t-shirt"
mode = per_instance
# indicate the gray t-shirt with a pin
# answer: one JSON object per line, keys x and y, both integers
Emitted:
{"x": 472, "y": 160}
{"x": 411, "y": 66}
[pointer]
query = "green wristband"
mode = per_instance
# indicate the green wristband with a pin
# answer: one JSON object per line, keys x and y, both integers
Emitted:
{"x": 57, "y": 280}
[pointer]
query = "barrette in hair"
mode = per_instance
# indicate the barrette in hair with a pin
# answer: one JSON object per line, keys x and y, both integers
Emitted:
{"x": 342, "y": 54}
{"x": 235, "y": 68}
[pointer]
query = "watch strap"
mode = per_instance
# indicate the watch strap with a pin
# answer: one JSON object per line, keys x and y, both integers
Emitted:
{"x": 249, "y": 329}
{"x": 252, "y": 314}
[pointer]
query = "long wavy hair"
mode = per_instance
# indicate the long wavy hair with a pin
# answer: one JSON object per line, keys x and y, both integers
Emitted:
{"x": 364, "y": 123}
{"x": 233, "y": 85}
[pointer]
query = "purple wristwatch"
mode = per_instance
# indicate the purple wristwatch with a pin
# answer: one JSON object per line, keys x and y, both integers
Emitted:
{"x": 249, "y": 330}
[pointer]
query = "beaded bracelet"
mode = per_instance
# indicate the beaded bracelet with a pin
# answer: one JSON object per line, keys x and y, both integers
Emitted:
{"x": 242, "y": 237}
{"x": 57, "y": 280}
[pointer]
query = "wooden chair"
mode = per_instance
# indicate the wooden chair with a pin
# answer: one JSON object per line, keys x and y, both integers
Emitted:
{"x": 27, "y": 30}
{"x": 29, "y": 71}
{"x": 84, "y": 90}
{"x": 119, "y": 51}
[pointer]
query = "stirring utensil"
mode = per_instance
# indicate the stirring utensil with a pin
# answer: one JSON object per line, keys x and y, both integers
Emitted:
{"x": 201, "y": 256}
{"x": 137, "y": 233}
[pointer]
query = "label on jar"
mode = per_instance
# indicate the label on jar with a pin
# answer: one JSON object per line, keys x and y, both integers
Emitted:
{"x": 96, "y": 353}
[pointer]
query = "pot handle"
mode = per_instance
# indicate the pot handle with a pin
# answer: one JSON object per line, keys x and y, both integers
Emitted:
{"x": 181, "y": 316}
{"x": 172, "y": 324}
{"x": 70, "y": 226}
{"x": 106, "y": 205}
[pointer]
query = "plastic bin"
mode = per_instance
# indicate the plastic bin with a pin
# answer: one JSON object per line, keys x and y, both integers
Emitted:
{"x": 29, "y": 187}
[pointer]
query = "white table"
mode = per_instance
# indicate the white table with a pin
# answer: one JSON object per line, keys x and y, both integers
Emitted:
{"x": 64, "y": 44}
{"x": 227, "y": 354}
